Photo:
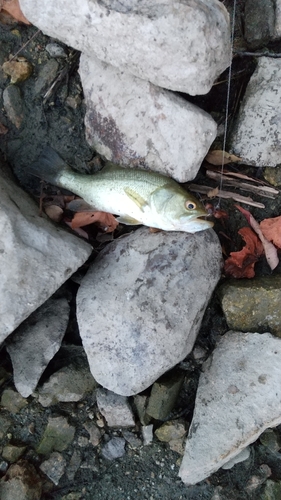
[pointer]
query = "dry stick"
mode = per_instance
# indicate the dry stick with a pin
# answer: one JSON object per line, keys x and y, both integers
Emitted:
{"x": 226, "y": 194}
{"x": 26, "y": 43}
{"x": 266, "y": 53}
{"x": 266, "y": 191}
{"x": 61, "y": 76}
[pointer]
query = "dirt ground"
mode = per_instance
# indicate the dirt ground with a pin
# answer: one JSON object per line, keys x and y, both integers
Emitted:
{"x": 149, "y": 472}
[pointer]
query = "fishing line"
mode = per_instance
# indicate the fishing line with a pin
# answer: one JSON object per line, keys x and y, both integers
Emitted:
{"x": 227, "y": 99}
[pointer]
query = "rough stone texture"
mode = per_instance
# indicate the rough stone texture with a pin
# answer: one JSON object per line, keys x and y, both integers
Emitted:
{"x": 35, "y": 343}
{"x": 253, "y": 305}
{"x": 115, "y": 448}
{"x": 115, "y": 409}
{"x": 238, "y": 397}
{"x": 273, "y": 175}
{"x": 140, "y": 306}
{"x": 57, "y": 436}
{"x": 170, "y": 431}
{"x": 94, "y": 432}
{"x": 35, "y": 256}
{"x": 181, "y": 46}
{"x": 164, "y": 394}
{"x": 257, "y": 134}
{"x": 12, "y": 453}
{"x": 12, "y": 401}
{"x": 278, "y": 19}
{"x": 21, "y": 482}
{"x": 259, "y": 22}
{"x": 54, "y": 467}
{"x": 13, "y": 105}
{"x": 134, "y": 123}
{"x": 70, "y": 383}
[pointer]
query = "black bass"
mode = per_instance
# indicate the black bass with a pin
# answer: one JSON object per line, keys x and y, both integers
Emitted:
{"x": 137, "y": 196}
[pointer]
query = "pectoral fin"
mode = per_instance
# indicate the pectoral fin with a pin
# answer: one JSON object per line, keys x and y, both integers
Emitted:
{"x": 129, "y": 221}
{"x": 136, "y": 198}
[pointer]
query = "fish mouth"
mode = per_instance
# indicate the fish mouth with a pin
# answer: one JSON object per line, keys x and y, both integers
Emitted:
{"x": 202, "y": 219}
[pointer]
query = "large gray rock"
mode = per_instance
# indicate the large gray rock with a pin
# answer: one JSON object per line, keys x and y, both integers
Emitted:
{"x": 177, "y": 45}
{"x": 257, "y": 134}
{"x": 134, "y": 123}
{"x": 140, "y": 306}
{"x": 36, "y": 257}
{"x": 35, "y": 342}
{"x": 239, "y": 396}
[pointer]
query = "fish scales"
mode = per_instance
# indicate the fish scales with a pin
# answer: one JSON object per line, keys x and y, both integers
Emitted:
{"x": 137, "y": 196}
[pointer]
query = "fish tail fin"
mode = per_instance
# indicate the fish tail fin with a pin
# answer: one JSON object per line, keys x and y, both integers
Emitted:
{"x": 49, "y": 166}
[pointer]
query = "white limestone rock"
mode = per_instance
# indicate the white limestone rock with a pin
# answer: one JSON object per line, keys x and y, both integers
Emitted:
{"x": 140, "y": 306}
{"x": 239, "y": 396}
{"x": 177, "y": 45}
{"x": 133, "y": 123}
{"x": 35, "y": 342}
{"x": 36, "y": 257}
{"x": 257, "y": 134}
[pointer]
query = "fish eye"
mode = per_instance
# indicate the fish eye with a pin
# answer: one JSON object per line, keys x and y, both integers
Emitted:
{"x": 190, "y": 205}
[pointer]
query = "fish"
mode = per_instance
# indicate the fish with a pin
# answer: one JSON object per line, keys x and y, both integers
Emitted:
{"x": 136, "y": 196}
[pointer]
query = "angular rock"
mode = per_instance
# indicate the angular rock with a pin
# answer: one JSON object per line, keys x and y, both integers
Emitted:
{"x": 13, "y": 105}
{"x": 12, "y": 401}
{"x": 253, "y": 305}
{"x": 257, "y": 134}
{"x": 259, "y": 22}
{"x": 73, "y": 465}
{"x": 169, "y": 431}
{"x": 115, "y": 409}
{"x": 57, "y": 436}
{"x": 54, "y": 467}
{"x": 70, "y": 383}
{"x": 35, "y": 342}
{"x": 147, "y": 434}
{"x": 12, "y": 453}
{"x": 141, "y": 402}
{"x": 132, "y": 439}
{"x": 115, "y": 448}
{"x": 180, "y": 46}
{"x": 33, "y": 253}
{"x": 237, "y": 399}
{"x": 94, "y": 432}
{"x": 164, "y": 394}
{"x": 272, "y": 490}
{"x": 271, "y": 439}
{"x": 273, "y": 175}
{"x": 140, "y": 306}
{"x": 133, "y": 123}
{"x": 21, "y": 482}
{"x": 19, "y": 70}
